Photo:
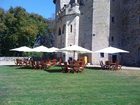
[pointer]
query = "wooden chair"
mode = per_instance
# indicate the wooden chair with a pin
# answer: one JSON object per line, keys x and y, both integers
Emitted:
{"x": 48, "y": 64}
{"x": 78, "y": 66}
{"x": 116, "y": 66}
{"x": 104, "y": 66}
{"x": 26, "y": 62}
{"x": 81, "y": 66}
{"x": 32, "y": 63}
{"x": 43, "y": 64}
{"x": 37, "y": 65}
{"x": 19, "y": 62}
{"x": 40, "y": 64}
{"x": 60, "y": 61}
{"x": 54, "y": 62}
{"x": 67, "y": 68}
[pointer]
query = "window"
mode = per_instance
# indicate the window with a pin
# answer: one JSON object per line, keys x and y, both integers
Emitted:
{"x": 112, "y": 38}
{"x": 59, "y": 31}
{"x": 72, "y": 1}
{"x": 113, "y": 19}
{"x": 139, "y": 19}
{"x": 64, "y": 28}
{"x": 102, "y": 55}
{"x": 70, "y": 28}
{"x": 81, "y": 2}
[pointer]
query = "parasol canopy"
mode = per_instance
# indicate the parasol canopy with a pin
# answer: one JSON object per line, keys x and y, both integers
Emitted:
{"x": 111, "y": 50}
{"x": 41, "y": 49}
{"x": 22, "y": 49}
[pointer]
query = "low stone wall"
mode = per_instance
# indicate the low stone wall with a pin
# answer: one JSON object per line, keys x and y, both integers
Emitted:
{"x": 9, "y": 60}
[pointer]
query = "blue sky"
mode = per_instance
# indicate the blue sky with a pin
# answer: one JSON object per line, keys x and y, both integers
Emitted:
{"x": 45, "y": 8}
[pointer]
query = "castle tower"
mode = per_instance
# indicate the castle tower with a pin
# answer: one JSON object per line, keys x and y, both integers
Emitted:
{"x": 107, "y": 28}
{"x": 95, "y": 27}
{"x": 67, "y": 24}
{"x": 100, "y": 28}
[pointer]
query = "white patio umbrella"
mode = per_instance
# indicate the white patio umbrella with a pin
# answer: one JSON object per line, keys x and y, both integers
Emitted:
{"x": 41, "y": 49}
{"x": 111, "y": 50}
{"x": 22, "y": 49}
{"x": 53, "y": 49}
{"x": 75, "y": 49}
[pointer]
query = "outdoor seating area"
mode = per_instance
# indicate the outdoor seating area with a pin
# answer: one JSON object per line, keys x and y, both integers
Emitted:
{"x": 108, "y": 65}
{"x": 37, "y": 64}
{"x": 67, "y": 67}
{"x": 70, "y": 65}
{"x": 75, "y": 66}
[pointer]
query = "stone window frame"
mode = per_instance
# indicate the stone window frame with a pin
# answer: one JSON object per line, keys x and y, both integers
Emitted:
{"x": 71, "y": 28}
{"x": 138, "y": 19}
{"x": 59, "y": 31}
{"x": 113, "y": 19}
{"x": 138, "y": 51}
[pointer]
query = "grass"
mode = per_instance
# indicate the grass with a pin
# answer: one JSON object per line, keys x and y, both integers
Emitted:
{"x": 91, "y": 87}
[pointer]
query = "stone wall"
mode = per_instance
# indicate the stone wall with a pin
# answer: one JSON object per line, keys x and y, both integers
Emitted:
{"x": 131, "y": 32}
{"x": 85, "y": 26}
{"x": 116, "y": 27}
{"x": 115, "y": 23}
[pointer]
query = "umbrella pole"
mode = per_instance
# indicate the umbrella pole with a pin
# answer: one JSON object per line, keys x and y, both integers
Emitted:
{"x": 74, "y": 56}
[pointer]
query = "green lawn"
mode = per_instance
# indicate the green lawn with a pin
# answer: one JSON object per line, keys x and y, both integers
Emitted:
{"x": 91, "y": 87}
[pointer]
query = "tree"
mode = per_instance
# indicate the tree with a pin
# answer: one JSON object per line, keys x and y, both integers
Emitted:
{"x": 19, "y": 28}
{"x": 2, "y": 27}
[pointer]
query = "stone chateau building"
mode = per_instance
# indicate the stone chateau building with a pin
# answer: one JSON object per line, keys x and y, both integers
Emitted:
{"x": 96, "y": 24}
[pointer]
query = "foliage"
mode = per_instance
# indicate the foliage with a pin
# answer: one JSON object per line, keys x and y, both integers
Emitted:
{"x": 36, "y": 55}
{"x": 19, "y": 28}
{"x": 51, "y": 87}
{"x": 48, "y": 39}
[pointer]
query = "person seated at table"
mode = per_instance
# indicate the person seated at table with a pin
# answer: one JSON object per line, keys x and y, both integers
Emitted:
{"x": 70, "y": 60}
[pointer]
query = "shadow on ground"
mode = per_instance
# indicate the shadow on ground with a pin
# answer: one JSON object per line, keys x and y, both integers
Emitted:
{"x": 53, "y": 70}
{"x": 94, "y": 68}
{"x": 50, "y": 70}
